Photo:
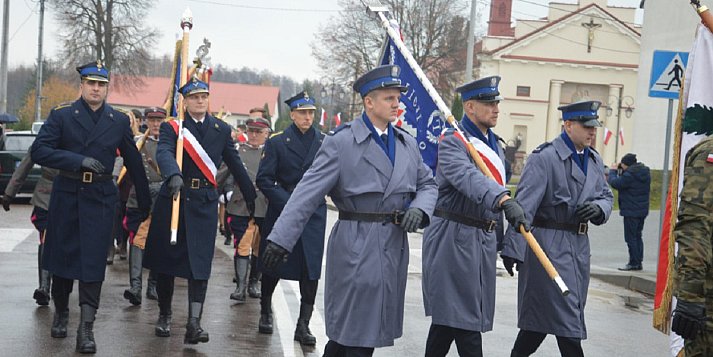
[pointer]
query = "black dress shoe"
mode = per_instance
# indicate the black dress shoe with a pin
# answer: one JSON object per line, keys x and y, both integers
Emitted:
{"x": 630, "y": 267}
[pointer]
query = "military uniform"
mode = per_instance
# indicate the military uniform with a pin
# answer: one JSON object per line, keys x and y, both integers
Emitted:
{"x": 286, "y": 158}
{"x": 555, "y": 182}
{"x": 40, "y": 202}
{"x": 192, "y": 255}
{"x": 82, "y": 142}
{"x": 367, "y": 255}
{"x": 693, "y": 278}
{"x": 459, "y": 246}
{"x": 244, "y": 228}
{"x": 138, "y": 230}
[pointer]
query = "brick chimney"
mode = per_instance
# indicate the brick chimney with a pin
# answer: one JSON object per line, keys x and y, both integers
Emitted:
{"x": 499, "y": 23}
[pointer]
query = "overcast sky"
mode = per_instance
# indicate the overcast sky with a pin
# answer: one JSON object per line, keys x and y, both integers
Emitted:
{"x": 276, "y": 35}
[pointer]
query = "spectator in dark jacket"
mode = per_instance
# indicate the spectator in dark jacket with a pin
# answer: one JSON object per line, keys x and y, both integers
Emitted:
{"x": 633, "y": 181}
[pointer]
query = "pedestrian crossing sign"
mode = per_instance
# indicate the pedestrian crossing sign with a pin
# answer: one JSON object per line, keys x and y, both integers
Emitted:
{"x": 667, "y": 74}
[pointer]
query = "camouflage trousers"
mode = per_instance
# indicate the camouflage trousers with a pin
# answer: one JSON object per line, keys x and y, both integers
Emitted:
{"x": 702, "y": 346}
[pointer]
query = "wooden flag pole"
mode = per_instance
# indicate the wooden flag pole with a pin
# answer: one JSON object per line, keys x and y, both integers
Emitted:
{"x": 380, "y": 10}
{"x": 186, "y": 25}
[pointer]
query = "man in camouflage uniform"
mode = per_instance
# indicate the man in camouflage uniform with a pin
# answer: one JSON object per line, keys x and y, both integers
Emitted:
{"x": 693, "y": 278}
{"x": 139, "y": 230}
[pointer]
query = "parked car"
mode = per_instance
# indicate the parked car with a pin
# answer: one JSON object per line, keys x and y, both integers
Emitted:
{"x": 14, "y": 147}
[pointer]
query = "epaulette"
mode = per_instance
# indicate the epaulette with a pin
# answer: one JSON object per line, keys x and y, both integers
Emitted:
{"x": 62, "y": 105}
{"x": 541, "y": 147}
{"x": 339, "y": 128}
{"x": 403, "y": 130}
{"x": 501, "y": 140}
{"x": 448, "y": 131}
{"x": 593, "y": 150}
{"x": 275, "y": 134}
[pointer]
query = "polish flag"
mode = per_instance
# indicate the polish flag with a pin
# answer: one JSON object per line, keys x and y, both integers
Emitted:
{"x": 338, "y": 119}
{"x": 621, "y": 136}
{"x": 607, "y": 135}
{"x": 323, "y": 118}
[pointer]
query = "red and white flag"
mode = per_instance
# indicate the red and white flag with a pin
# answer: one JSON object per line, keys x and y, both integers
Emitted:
{"x": 607, "y": 135}
{"x": 323, "y": 118}
{"x": 338, "y": 119}
{"x": 621, "y": 136}
{"x": 490, "y": 158}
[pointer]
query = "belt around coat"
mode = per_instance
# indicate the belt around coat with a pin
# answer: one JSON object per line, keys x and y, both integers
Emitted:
{"x": 196, "y": 183}
{"x": 86, "y": 176}
{"x": 394, "y": 217}
{"x": 488, "y": 226}
{"x": 576, "y": 228}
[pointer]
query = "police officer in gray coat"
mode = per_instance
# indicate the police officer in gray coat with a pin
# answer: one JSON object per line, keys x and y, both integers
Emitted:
{"x": 562, "y": 190}
{"x": 459, "y": 247}
{"x": 376, "y": 177}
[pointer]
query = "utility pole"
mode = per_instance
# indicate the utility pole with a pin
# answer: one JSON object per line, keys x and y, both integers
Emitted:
{"x": 38, "y": 98}
{"x": 3, "y": 56}
{"x": 471, "y": 43}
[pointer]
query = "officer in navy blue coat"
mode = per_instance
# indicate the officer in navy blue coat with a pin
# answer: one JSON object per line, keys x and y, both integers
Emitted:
{"x": 286, "y": 158}
{"x": 81, "y": 140}
{"x": 207, "y": 142}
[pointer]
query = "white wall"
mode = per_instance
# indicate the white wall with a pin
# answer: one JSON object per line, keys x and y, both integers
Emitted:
{"x": 668, "y": 25}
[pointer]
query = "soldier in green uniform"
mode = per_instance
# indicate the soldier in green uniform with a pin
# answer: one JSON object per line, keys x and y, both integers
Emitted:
{"x": 693, "y": 278}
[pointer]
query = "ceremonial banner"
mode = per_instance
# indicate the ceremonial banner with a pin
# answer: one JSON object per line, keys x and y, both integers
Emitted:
{"x": 419, "y": 114}
{"x": 694, "y": 123}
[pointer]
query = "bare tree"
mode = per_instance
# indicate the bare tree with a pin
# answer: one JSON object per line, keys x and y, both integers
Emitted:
{"x": 111, "y": 30}
{"x": 435, "y": 32}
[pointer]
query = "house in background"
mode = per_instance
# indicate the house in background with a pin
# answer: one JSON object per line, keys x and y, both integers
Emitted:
{"x": 584, "y": 51}
{"x": 233, "y": 98}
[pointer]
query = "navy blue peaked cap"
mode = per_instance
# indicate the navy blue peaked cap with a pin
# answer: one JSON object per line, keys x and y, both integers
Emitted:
{"x": 381, "y": 77}
{"x": 301, "y": 101}
{"x": 94, "y": 71}
{"x": 584, "y": 112}
{"x": 483, "y": 90}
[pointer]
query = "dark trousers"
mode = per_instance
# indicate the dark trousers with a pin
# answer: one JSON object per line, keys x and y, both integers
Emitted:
{"x": 164, "y": 289}
{"x": 333, "y": 349}
{"x": 469, "y": 343}
{"x": 308, "y": 291}
{"x": 527, "y": 343}
{"x": 89, "y": 292}
{"x": 633, "y": 226}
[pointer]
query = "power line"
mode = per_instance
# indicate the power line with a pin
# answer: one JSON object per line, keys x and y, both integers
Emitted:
{"x": 22, "y": 24}
{"x": 572, "y": 12}
{"x": 253, "y": 7}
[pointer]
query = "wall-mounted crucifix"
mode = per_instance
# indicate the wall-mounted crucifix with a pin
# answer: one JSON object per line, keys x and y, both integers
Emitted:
{"x": 590, "y": 26}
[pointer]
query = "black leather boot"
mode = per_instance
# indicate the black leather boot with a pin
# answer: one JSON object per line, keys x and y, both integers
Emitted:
{"x": 59, "y": 324}
{"x": 163, "y": 325}
{"x": 151, "y": 293}
{"x": 241, "y": 272}
{"x": 253, "y": 288}
{"x": 133, "y": 294}
{"x": 194, "y": 332}
{"x": 302, "y": 332}
{"x": 85, "y": 332}
{"x": 42, "y": 293}
{"x": 265, "y": 323}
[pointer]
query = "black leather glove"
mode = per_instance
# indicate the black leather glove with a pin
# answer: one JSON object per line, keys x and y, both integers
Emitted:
{"x": 93, "y": 165}
{"x": 515, "y": 215}
{"x": 412, "y": 219}
{"x": 509, "y": 262}
{"x": 175, "y": 184}
{"x": 5, "y": 200}
{"x": 274, "y": 255}
{"x": 251, "y": 208}
{"x": 689, "y": 319}
{"x": 589, "y": 212}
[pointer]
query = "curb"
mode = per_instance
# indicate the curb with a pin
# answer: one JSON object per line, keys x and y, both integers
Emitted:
{"x": 632, "y": 282}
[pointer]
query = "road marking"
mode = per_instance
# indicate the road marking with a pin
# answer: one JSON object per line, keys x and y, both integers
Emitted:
{"x": 316, "y": 323}
{"x": 11, "y": 237}
{"x": 285, "y": 324}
